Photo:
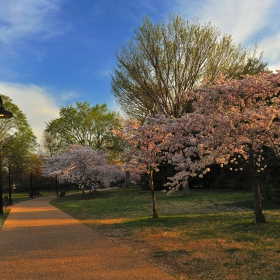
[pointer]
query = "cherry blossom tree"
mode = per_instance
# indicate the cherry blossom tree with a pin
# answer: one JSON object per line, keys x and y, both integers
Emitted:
{"x": 83, "y": 166}
{"x": 233, "y": 121}
{"x": 242, "y": 118}
{"x": 143, "y": 152}
{"x": 186, "y": 149}
{"x": 162, "y": 139}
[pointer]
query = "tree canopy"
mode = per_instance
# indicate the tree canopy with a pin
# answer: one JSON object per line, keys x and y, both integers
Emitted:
{"x": 233, "y": 121}
{"x": 243, "y": 118}
{"x": 83, "y": 166}
{"x": 143, "y": 155}
{"x": 165, "y": 59}
{"x": 84, "y": 125}
{"x": 17, "y": 133}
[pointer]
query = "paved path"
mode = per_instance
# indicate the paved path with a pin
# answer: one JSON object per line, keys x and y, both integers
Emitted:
{"x": 38, "y": 241}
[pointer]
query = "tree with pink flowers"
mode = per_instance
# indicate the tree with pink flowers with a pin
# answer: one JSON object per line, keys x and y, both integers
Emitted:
{"x": 143, "y": 153}
{"x": 83, "y": 166}
{"x": 242, "y": 117}
{"x": 233, "y": 120}
{"x": 186, "y": 149}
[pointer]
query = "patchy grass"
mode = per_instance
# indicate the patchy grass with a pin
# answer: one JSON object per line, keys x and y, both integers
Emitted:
{"x": 22, "y": 196}
{"x": 4, "y": 217}
{"x": 208, "y": 235}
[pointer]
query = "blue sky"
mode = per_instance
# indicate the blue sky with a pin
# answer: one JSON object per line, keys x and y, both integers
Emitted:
{"x": 57, "y": 52}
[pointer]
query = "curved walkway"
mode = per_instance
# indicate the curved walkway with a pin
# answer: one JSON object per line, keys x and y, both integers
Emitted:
{"x": 38, "y": 241}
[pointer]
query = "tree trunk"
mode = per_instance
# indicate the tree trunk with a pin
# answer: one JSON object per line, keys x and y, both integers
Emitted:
{"x": 186, "y": 189}
{"x": 151, "y": 182}
{"x": 127, "y": 178}
{"x": 155, "y": 209}
{"x": 259, "y": 216}
{"x": 13, "y": 183}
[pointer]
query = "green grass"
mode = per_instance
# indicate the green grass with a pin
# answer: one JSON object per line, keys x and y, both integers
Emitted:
{"x": 208, "y": 235}
{"x": 4, "y": 217}
{"x": 133, "y": 202}
{"x": 21, "y": 196}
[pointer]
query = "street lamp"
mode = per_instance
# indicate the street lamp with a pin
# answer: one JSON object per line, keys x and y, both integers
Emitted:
{"x": 1, "y": 185}
{"x": 3, "y": 115}
{"x": 10, "y": 189}
{"x": 11, "y": 181}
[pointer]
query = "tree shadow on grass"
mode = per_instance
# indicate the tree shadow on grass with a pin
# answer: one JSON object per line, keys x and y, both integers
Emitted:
{"x": 249, "y": 204}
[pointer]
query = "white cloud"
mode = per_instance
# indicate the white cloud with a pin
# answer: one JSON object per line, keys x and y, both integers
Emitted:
{"x": 35, "y": 102}
{"x": 242, "y": 19}
{"x": 66, "y": 96}
{"x": 102, "y": 74}
{"x": 24, "y": 18}
{"x": 114, "y": 106}
{"x": 270, "y": 46}
{"x": 249, "y": 22}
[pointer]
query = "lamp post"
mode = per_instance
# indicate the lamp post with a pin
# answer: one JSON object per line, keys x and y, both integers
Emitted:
{"x": 3, "y": 115}
{"x": 11, "y": 174}
{"x": 10, "y": 189}
{"x": 1, "y": 184}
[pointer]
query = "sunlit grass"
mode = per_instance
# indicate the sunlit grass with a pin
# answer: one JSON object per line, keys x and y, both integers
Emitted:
{"x": 209, "y": 235}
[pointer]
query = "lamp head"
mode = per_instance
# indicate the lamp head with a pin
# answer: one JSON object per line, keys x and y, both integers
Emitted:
{"x": 3, "y": 113}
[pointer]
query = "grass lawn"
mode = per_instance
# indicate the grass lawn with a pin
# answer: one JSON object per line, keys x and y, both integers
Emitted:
{"x": 208, "y": 235}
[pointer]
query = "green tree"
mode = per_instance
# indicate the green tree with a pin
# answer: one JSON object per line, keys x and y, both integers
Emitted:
{"x": 84, "y": 125}
{"x": 51, "y": 145}
{"x": 16, "y": 130}
{"x": 165, "y": 59}
{"x": 17, "y": 134}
